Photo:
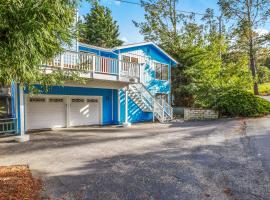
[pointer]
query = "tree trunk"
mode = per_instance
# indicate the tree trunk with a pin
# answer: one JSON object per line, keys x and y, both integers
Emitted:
{"x": 252, "y": 63}
{"x": 253, "y": 71}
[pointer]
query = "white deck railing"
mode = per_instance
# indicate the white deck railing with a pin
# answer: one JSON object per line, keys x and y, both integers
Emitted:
{"x": 71, "y": 60}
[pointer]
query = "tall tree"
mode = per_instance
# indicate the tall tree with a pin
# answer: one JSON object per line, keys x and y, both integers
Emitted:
{"x": 99, "y": 28}
{"x": 206, "y": 67}
{"x": 162, "y": 25}
{"x": 31, "y": 32}
{"x": 248, "y": 15}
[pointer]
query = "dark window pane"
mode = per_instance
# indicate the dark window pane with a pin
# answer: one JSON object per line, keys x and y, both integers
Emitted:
{"x": 164, "y": 72}
{"x": 158, "y": 71}
{"x": 134, "y": 60}
{"x": 5, "y": 107}
{"x": 126, "y": 58}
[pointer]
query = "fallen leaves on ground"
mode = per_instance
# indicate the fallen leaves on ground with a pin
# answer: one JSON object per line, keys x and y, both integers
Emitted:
{"x": 17, "y": 182}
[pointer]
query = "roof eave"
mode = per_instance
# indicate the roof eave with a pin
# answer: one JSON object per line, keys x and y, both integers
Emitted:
{"x": 146, "y": 43}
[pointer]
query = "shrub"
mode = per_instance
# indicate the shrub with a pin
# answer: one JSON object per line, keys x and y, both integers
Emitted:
{"x": 241, "y": 103}
{"x": 264, "y": 89}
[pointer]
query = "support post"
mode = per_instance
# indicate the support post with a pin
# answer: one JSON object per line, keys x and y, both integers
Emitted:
{"x": 126, "y": 123}
{"x": 119, "y": 66}
{"x": 22, "y": 137}
{"x": 67, "y": 112}
{"x": 153, "y": 109}
{"x": 62, "y": 61}
{"x": 94, "y": 66}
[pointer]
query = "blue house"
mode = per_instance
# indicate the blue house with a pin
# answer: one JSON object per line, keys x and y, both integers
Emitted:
{"x": 124, "y": 85}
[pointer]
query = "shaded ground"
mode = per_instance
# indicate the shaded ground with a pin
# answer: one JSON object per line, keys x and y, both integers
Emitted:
{"x": 191, "y": 160}
{"x": 16, "y": 182}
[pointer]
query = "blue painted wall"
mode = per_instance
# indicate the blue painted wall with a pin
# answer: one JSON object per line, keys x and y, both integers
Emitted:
{"x": 108, "y": 105}
{"x": 135, "y": 114}
{"x": 115, "y": 107}
{"x": 153, "y": 85}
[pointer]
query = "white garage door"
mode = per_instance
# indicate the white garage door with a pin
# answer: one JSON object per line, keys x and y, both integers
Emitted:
{"x": 46, "y": 112}
{"x": 84, "y": 111}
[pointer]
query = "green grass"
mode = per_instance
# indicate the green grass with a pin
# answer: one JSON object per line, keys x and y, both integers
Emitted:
{"x": 264, "y": 89}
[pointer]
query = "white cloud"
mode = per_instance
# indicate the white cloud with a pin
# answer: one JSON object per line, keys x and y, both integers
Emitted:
{"x": 262, "y": 31}
{"x": 111, "y": 2}
{"x": 117, "y": 2}
{"x": 124, "y": 39}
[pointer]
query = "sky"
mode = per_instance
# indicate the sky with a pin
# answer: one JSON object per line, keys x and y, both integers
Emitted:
{"x": 124, "y": 13}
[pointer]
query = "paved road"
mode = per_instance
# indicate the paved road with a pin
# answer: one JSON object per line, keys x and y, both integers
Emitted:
{"x": 266, "y": 97}
{"x": 192, "y": 160}
{"x": 258, "y": 131}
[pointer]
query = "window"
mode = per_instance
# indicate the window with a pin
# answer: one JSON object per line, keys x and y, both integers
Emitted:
{"x": 5, "y": 107}
{"x": 134, "y": 60}
{"x": 92, "y": 101}
{"x": 56, "y": 100}
{"x": 5, "y": 102}
{"x": 126, "y": 58}
{"x": 37, "y": 99}
{"x": 130, "y": 59}
{"x": 161, "y": 71}
{"x": 77, "y": 100}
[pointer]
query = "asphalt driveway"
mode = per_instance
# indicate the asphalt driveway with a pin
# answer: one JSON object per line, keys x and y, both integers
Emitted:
{"x": 191, "y": 160}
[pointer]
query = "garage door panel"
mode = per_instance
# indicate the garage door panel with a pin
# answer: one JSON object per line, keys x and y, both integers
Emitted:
{"x": 48, "y": 113}
{"x": 84, "y": 111}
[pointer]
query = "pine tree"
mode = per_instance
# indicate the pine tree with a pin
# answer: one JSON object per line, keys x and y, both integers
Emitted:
{"x": 99, "y": 27}
{"x": 247, "y": 16}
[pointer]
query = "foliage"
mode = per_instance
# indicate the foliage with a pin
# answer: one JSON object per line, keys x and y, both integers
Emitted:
{"x": 171, "y": 30}
{"x": 263, "y": 74}
{"x": 207, "y": 65}
{"x": 32, "y": 32}
{"x": 264, "y": 89}
{"x": 99, "y": 27}
{"x": 242, "y": 103}
{"x": 248, "y": 16}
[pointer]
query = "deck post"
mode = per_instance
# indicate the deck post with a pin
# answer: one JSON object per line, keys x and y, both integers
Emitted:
{"x": 119, "y": 66}
{"x": 22, "y": 137}
{"x": 126, "y": 123}
{"x": 62, "y": 61}
{"x": 94, "y": 66}
{"x": 153, "y": 110}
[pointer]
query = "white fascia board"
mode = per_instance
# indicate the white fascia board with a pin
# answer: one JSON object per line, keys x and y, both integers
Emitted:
{"x": 142, "y": 44}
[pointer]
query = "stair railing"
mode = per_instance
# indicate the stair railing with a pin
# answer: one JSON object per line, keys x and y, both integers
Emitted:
{"x": 145, "y": 95}
{"x": 167, "y": 109}
{"x": 149, "y": 100}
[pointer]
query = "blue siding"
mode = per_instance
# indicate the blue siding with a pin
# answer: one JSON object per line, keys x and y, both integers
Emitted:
{"x": 135, "y": 114}
{"x": 110, "y": 97}
{"x": 154, "y": 85}
{"x": 115, "y": 107}
{"x": 151, "y": 51}
{"x": 107, "y": 96}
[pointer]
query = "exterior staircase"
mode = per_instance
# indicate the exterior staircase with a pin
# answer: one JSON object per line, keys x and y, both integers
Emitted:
{"x": 146, "y": 101}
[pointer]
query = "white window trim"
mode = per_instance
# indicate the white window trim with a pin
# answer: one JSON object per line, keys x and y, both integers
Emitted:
{"x": 156, "y": 62}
